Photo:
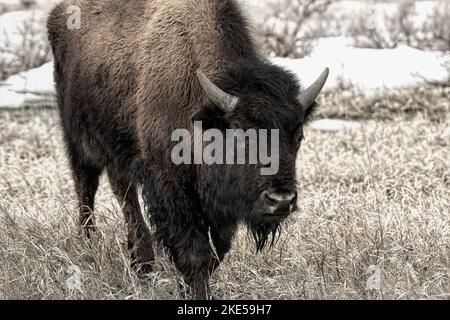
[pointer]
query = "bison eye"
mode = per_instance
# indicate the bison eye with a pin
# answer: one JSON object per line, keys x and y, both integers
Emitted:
{"x": 299, "y": 137}
{"x": 299, "y": 140}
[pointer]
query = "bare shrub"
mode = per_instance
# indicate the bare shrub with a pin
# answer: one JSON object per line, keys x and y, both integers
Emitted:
{"x": 15, "y": 6}
{"x": 435, "y": 35}
{"x": 27, "y": 4}
{"x": 403, "y": 21}
{"x": 32, "y": 51}
{"x": 390, "y": 30}
{"x": 387, "y": 31}
{"x": 288, "y": 31}
{"x": 436, "y": 31}
{"x": 366, "y": 32}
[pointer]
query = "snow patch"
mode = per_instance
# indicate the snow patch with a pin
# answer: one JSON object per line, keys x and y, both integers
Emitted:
{"x": 33, "y": 87}
{"x": 369, "y": 70}
{"x": 333, "y": 125}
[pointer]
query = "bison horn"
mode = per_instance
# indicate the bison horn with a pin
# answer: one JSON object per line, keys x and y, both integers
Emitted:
{"x": 308, "y": 97}
{"x": 226, "y": 102}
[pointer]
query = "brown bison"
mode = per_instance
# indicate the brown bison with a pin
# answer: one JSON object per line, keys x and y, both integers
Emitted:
{"x": 137, "y": 70}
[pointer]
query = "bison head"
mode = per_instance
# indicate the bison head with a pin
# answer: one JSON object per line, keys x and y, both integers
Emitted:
{"x": 262, "y": 97}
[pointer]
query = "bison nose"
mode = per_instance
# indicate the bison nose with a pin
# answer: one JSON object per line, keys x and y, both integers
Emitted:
{"x": 278, "y": 204}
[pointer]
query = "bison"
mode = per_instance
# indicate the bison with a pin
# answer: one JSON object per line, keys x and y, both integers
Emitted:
{"x": 135, "y": 71}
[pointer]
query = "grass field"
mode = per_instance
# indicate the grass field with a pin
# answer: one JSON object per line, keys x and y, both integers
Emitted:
{"x": 374, "y": 201}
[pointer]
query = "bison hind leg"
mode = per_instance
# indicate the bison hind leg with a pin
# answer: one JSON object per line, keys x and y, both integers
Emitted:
{"x": 86, "y": 184}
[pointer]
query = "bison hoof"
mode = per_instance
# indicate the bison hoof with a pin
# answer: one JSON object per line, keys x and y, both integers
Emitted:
{"x": 142, "y": 269}
{"x": 89, "y": 232}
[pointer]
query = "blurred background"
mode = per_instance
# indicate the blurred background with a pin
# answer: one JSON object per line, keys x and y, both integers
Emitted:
{"x": 374, "y": 170}
{"x": 369, "y": 45}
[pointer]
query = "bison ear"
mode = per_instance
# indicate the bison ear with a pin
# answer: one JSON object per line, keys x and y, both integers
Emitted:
{"x": 309, "y": 112}
{"x": 211, "y": 117}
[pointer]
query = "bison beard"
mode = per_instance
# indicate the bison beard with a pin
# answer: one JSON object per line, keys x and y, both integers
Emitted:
{"x": 261, "y": 231}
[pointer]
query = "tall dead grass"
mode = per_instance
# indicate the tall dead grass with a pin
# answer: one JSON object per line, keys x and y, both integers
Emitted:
{"x": 390, "y": 214}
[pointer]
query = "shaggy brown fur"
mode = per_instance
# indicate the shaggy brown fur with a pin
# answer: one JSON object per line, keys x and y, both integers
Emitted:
{"x": 126, "y": 80}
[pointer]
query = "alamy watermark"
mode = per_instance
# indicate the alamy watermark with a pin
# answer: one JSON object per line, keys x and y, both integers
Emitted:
{"x": 373, "y": 280}
{"x": 73, "y": 282}
{"x": 235, "y": 146}
{"x": 74, "y": 17}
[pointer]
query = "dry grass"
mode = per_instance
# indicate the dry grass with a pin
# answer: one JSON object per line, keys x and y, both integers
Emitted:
{"x": 430, "y": 102}
{"x": 391, "y": 212}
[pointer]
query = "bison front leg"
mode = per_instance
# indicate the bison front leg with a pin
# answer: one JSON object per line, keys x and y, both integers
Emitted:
{"x": 180, "y": 225}
{"x": 222, "y": 238}
{"x": 194, "y": 258}
{"x": 139, "y": 237}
